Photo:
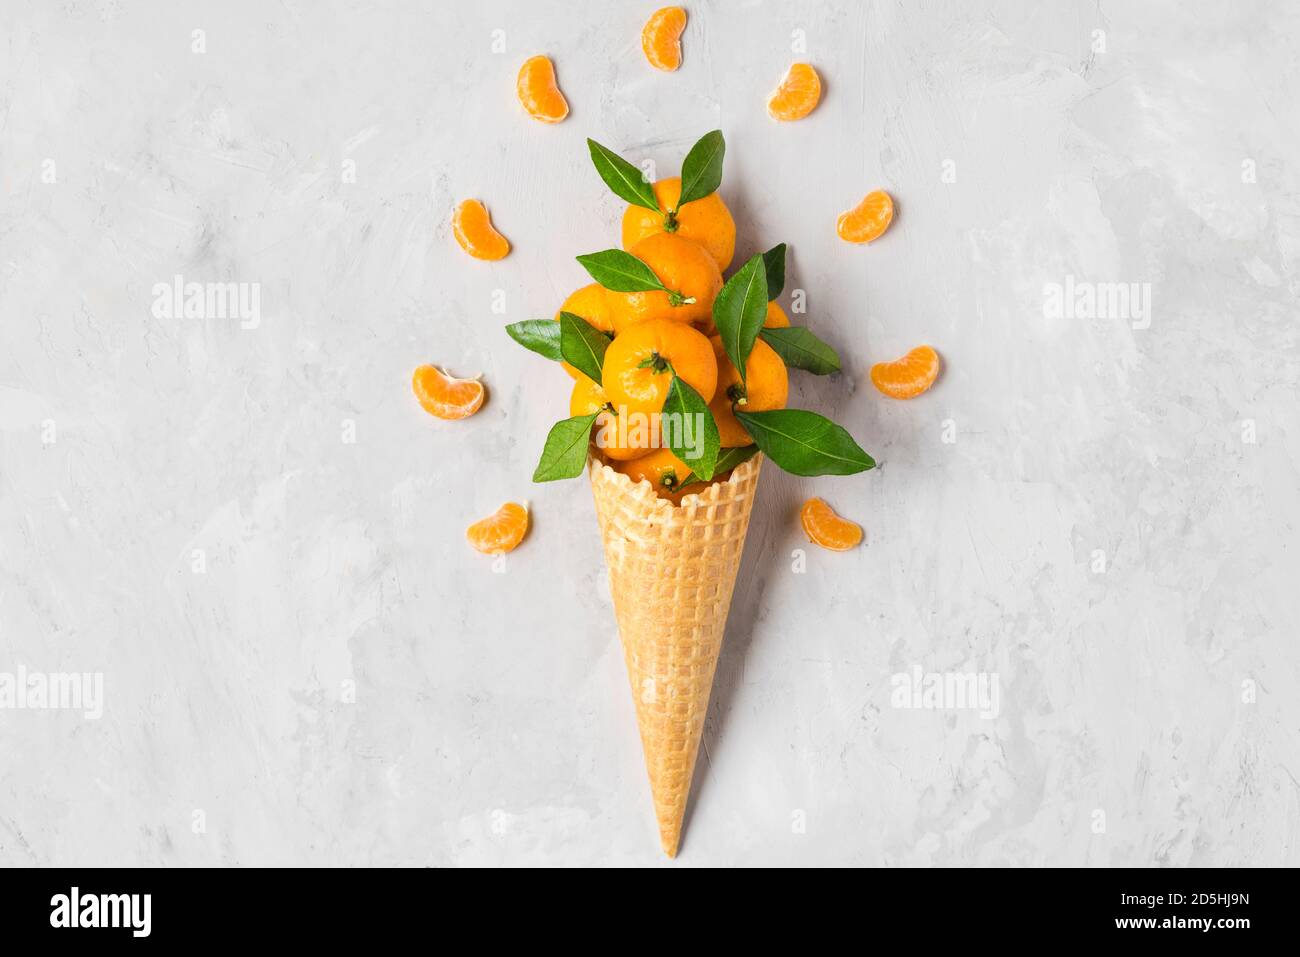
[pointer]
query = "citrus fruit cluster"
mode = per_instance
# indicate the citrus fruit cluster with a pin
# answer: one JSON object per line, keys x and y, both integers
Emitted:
{"x": 645, "y": 333}
{"x": 679, "y": 374}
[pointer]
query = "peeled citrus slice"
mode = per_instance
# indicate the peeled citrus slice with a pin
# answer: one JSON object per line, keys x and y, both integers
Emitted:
{"x": 538, "y": 91}
{"x": 475, "y": 233}
{"x": 823, "y": 527}
{"x": 868, "y": 220}
{"x": 661, "y": 38}
{"x": 446, "y": 397}
{"x": 501, "y": 531}
{"x": 908, "y": 377}
{"x": 797, "y": 95}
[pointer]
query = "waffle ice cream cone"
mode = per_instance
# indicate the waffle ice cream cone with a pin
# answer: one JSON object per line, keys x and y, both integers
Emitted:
{"x": 671, "y": 572}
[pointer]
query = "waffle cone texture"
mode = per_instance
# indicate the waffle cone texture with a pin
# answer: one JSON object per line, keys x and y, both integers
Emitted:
{"x": 672, "y": 570}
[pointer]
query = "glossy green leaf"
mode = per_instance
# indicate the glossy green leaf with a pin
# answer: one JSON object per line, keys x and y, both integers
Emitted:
{"x": 689, "y": 428}
{"x": 620, "y": 271}
{"x": 622, "y": 177}
{"x": 805, "y": 443}
{"x": 774, "y": 266}
{"x": 702, "y": 168}
{"x": 727, "y": 459}
{"x": 739, "y": 311}
{"x": 565, "y": 453}
{"x": 582, "y": 345}
{"x": 800, "y": 349}
{"x": 540, "y": 335}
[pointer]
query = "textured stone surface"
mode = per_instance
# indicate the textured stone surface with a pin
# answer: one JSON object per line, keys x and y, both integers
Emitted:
{"x": 345, "y": 681}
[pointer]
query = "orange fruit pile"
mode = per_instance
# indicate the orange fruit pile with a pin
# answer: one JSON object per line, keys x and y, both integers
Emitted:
{"x": 656, "y": 334}
{"x": 659, "y": 333}
{"x": 706, "y": 221}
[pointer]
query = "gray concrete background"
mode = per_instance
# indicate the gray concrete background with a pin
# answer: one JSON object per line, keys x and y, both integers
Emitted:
{"x": 256, "y": 535}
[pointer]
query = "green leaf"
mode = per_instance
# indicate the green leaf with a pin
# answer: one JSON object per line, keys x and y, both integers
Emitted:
{"x": 702, "y": 168}
{"x": 730, "y": 458}
{"x": 774, "y": 265}
{"x": 805, "y": 443}
{"x": 727, "y": 459}
{"x": 739, "y": 311}
{"x": 800, "y": 349}
{"x": 620, "y": 271}
{"x": 689, "y": 428}
{"x": 565, "y": 453}
{"x": 540, "y": 335}
{"x": 622, "y": 177}
{"x": 582, "y": 345}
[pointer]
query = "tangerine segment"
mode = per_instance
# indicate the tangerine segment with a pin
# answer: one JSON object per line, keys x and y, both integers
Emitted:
{"x": 908, "y": 377}
{"x": 706, "y": 221}
{"x": 797, "y": 95}
{"x": 501, "y": 531}
{"x": 639, "y": 365}
{"x": 619, "y": 445}
{"x": 689, "y": 274}
{"x": 447, "y": 397}
{"x": 590, "y": 303}
{"x": 475, "y": 233}
{"x": 538, "y": 91}
{"x": 823, "y": 527}
{"x": 661, "y": 38}
{"x": 868, "y": 220}
{"x": 767, "y": 386}
{"x": 776, "y": 317}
